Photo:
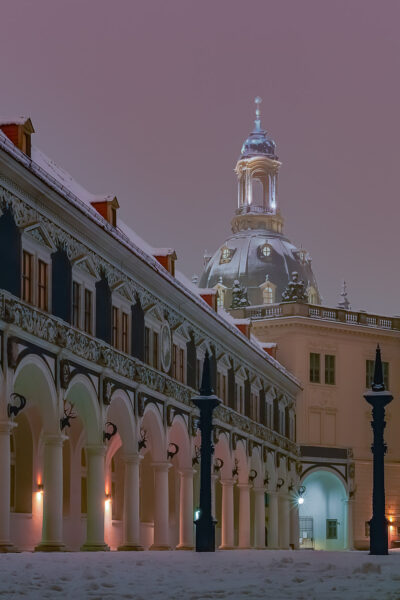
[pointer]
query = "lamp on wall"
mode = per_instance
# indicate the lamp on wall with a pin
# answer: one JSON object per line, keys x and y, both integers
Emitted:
{"x": 300, "y": 494}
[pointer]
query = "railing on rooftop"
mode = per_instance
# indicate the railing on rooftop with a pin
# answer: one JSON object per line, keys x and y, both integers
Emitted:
{"x": 312, "y": 311}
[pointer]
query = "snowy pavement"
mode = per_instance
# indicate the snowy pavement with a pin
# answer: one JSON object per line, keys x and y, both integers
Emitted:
{"x": 176, "y": 575}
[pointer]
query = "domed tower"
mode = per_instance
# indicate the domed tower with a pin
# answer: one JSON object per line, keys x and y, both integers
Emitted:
{"x": 257, "y": 254}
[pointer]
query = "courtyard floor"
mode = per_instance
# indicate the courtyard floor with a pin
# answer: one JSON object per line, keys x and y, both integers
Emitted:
{"x": 280, "y": 574}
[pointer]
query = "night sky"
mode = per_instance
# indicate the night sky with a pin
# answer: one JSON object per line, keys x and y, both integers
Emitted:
{"x": 152, "y": 100}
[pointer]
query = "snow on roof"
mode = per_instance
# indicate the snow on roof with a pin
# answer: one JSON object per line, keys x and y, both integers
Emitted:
{"x": 13, "y": 120}
{"x": 65, "y": 179}
{"x": 56, "y": 177}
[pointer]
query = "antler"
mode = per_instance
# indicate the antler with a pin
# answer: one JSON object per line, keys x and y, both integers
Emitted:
{"x": 14, "y": 410}
{"x": 143, "y": 439}
{"x": 68, "y": 414}
{"x": 107, "y": 435}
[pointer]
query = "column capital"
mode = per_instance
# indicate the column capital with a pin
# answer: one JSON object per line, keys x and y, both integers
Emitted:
{"x": 161, "y": 466}
{"x": 7, "y": 426}
{"x": 134, "y": 459}
{"x": 96, "y": 450}
{"x": 244, "y": 486}
{"x": 54, "y": 439}
{"x": 188, "y": 472}
{"x": 227, "y": 482}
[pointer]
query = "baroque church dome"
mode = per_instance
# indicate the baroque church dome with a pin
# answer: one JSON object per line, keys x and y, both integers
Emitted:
{"x": 257, "y": 254}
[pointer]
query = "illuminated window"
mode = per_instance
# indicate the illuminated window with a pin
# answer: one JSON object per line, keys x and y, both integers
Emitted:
{"x": 265, "y": 250}
{"x": 88, "y": 311}
{"x": 155, "y": 349}
{"x": 115, "y": 326}
{"x": 76, "y": 303}
{"x": 42, "y": 285}
{"x": 27, "y": 277}
{"x": 268, "y": 295}
{"x": 181, "y": 364}
{"x": 125, "y": 322}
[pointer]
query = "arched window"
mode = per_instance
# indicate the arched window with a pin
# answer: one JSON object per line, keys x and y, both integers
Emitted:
{"x": 268, "y": 295}
{"x": 265, "y": 250}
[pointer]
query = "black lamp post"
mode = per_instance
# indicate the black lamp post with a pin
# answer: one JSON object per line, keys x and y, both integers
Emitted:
{"x": 378, "y": 398}
{"x": 206, "y": 402}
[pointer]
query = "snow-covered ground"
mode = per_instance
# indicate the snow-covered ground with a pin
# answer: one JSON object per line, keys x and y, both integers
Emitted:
{"x": 233, "y": 574}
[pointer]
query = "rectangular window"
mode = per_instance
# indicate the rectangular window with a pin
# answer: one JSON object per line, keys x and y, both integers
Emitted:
{"x": 76, "y": 303}
{"x": 241, "y": 399}
{"x": 115, "y": 326}
{"x": 330, "y": 369}
{"x": 174, "y": 361}
{"x": 331, "y": 529}
{"x": 314, "y": 367}
{"x": 155, "y": 350}
{"x": 147, "y": 345}
{"x": 181, "y": 364}
{"x": 223, "y": 389}
{"x": 42, "y": 286}
{"x": 88, "y": 311}
{"x": 125, "y": 323}
{"x": 27, "y": 277}
{"x": 198, "y": 373}
{"x": 369, "y": 373}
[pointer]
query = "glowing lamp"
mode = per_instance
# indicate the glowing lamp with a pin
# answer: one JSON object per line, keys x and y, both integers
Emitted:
{"x": 300, "y": 500}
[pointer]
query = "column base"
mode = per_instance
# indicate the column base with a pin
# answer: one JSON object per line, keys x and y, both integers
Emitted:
{"x": 183, "y": 547}
{"x": 244, "y": 548}
{"x": 94, "y": 548}
{"x": 50, "y": 547}
{"x": 160, "y": 547}
{"x": 6, "y": 548}
{"x": 226, "y": 548}
{"x": 130, "y": 548}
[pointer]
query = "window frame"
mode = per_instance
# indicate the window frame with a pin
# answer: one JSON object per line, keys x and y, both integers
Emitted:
{"x": 315, "y": 370}
{"x": 330, "y": 370}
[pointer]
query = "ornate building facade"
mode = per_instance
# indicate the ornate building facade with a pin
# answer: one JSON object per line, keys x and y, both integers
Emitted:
{"x": 101, "y": 349}
{"x": 268, "y": 285}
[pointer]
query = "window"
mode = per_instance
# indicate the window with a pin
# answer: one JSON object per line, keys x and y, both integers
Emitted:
{"x": 198, "y": 373}
{"x": 369, "y": 371}
{"x": 88, "y": 311}
{"x": 330, "y": 369}
{"x": 42, "y": 286}
{"x": 27, "y": 276}
{"x": 226, "y": 255}
{"x": 314, "y": 367}
{"x": 155, "y": 349}
{"x": 265, "y": 250}
{"x": 268, "y": 295}
{"x": 115, "y": 326}
{"x": 331, "y": 529}
{"x": 125, "y": 322}
{"x": 181, "y": 364}
{"x": 241, "y": 399}
{"x": 282, "y": 422}
{"x": 76, "y": 303}
{"x": 146, "y": 345}
{"x": 174, "y": 361}
{"x": 223, "y": 390}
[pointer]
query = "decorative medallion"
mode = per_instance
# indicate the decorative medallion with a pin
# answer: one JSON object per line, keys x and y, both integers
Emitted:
{"x": 166, "y": 347}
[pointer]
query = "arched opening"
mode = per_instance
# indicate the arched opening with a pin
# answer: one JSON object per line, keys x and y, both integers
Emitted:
{"x": 323, "y": 514}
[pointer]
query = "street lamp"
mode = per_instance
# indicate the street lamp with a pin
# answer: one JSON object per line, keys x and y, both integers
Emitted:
{"x": 206, "y": 402}
{"x": 378, "y": 398}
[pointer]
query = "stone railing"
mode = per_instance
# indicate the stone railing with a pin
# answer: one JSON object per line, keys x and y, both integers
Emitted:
{"x": 56, "y": 331}
{"x": 298, "y": 309}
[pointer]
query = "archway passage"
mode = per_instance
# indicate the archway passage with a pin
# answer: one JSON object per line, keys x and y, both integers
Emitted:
{"x": 323, "y": 514}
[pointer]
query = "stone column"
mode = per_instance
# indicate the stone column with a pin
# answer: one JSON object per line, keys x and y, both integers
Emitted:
{"x": 186, "y": 516}
{"x": 161, "y": 507}
{"x": 52, "y": 525}
{"x": 259, "y": 517}
{"x": 294, "y": 526}
{"x": 244, "y": 515}
{"x": 284, "y": 521}
{"x": 5, "y": 430}
{"x": 95, "y": 499}
{"x": 131, "y": 524}
{"x": 273, "y": 540}
{"x": 227, "y": 533}
{"x": 350, "y": 533}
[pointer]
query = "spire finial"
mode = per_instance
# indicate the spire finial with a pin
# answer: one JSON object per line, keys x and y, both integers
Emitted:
{"x": 344, "y": 302}
{"x": 378, "y": 385}
{"x": 257, "y": 122}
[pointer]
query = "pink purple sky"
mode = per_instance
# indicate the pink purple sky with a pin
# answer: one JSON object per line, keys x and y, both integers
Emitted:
{"x": 151, "y": 100}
